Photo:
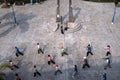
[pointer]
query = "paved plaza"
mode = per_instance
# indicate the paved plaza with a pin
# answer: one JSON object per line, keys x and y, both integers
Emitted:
{"x": 37, "y": 24}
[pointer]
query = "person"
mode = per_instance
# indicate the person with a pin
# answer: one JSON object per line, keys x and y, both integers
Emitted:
{"x": 18, "y": 51}
{"x": 103, "y": 76}
{"x": 36, "y": 72}
{"x": 13, "y": 65}
{"x": 39, "y": 49}
{"x": 62, "y": 31}
{"x": 63, "y": 51}
{"x": 57, "y": 69}
{"x": 108, "y": 63}
{"x": 75, "y": 71}
{"x": 89, "y": 50}
{"x": 17, "y": 76}
{"x": 50, "y": 60}
{"x": 108, "y": 50}
{"x": 58, "y": 25}
{"x": 85, "y": 63}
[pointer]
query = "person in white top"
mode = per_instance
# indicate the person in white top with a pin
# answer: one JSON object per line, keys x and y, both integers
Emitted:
{"x": 64, "y": 51}
{"x": 12, "y": 65}
{"x": 39, "y": 49}
{"x": 108, "y": 62}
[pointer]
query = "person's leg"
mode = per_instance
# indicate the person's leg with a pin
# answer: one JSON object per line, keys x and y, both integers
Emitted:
{"x": 56, "y": 72}
{"x": 88, "y": 65}
{"x": 11, "y": 67}
{"x": 20, "y": 53}
{"x": 83, "y": 66}
{"x": 62, "y": 31}
{"x": 105, "y": 67}
{"x": 16, "y": 54}
{"x": 60, "y": 71}
{"x": 65, "y": 53}
{"x": 52, "y": 61}
{"x": 57, "y": 27}
{"x": 38, "y": 73}
{"x": 62, "y": 54}
{"x": 87, "y": 53}
{"x": 16, "y": 66}
{"x": 34, "y": 74}
{"x": 91, "y": 53}
{"x": 41, "y": 51}
{"x": 109, "y": 65}
{"x": 48, "y": 62}
{"x": 38, "y": 51}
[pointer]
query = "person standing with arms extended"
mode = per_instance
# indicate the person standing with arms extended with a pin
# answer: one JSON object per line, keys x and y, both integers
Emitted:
{"x": 85, "y": 63}
{"x": 39, "y": 49}
{"x": 89, "y": 49}
{"x": 57, "y": 69}
{"x": 18, "y": 51}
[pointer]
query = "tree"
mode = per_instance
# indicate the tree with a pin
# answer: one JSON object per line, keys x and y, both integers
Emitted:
{"x": 3, "y": 66}
{"x": 5, "y": 4}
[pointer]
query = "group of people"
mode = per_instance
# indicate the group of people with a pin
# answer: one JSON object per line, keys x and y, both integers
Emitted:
{"x": 89, "y": 51}
{"x": 55, "y": 65}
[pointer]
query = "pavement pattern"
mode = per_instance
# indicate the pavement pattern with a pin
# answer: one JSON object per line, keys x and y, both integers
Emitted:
{"x": 37, "y": 24}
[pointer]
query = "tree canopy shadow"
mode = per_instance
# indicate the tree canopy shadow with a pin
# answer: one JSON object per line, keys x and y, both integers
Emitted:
{"x": 21, "y": 20}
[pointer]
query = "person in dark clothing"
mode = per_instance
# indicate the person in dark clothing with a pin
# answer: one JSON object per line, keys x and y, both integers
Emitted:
{"x": 18, "y": 51}
{"x": 17, "y": 77}
{"x": 39, "y": 49}
{"x": 75, "y": 71}
{"x": 89, "y": 50}
{"x": 13, "y": 65}
{"x": 36, "y": 72}
{"x": 103, "y": 76}
{"x": 57, "y": 69}
{"x": 62, "y": 31}
{"x": 85, "y": 63}
{"x": 50, "y": 60}
{"x": 58, "y": 26}
{"x": 66, "y": 28}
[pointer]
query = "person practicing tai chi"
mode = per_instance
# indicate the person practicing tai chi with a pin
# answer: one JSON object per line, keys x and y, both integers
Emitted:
{"x": 50, "y": 60}
{"x": 39, "y": 49}
{"x": 57, "y": 69}
{"x": 108, "y": 60}
{"x": 18, "y": 52}
{"x": 12, "y": 65}
{"x": 75, "y": 71}
{"x": 64, "y": 51}
{"x": 89, "y": 50}
{"x": 85, "y": 63}
{"x": 36, "y": 72}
